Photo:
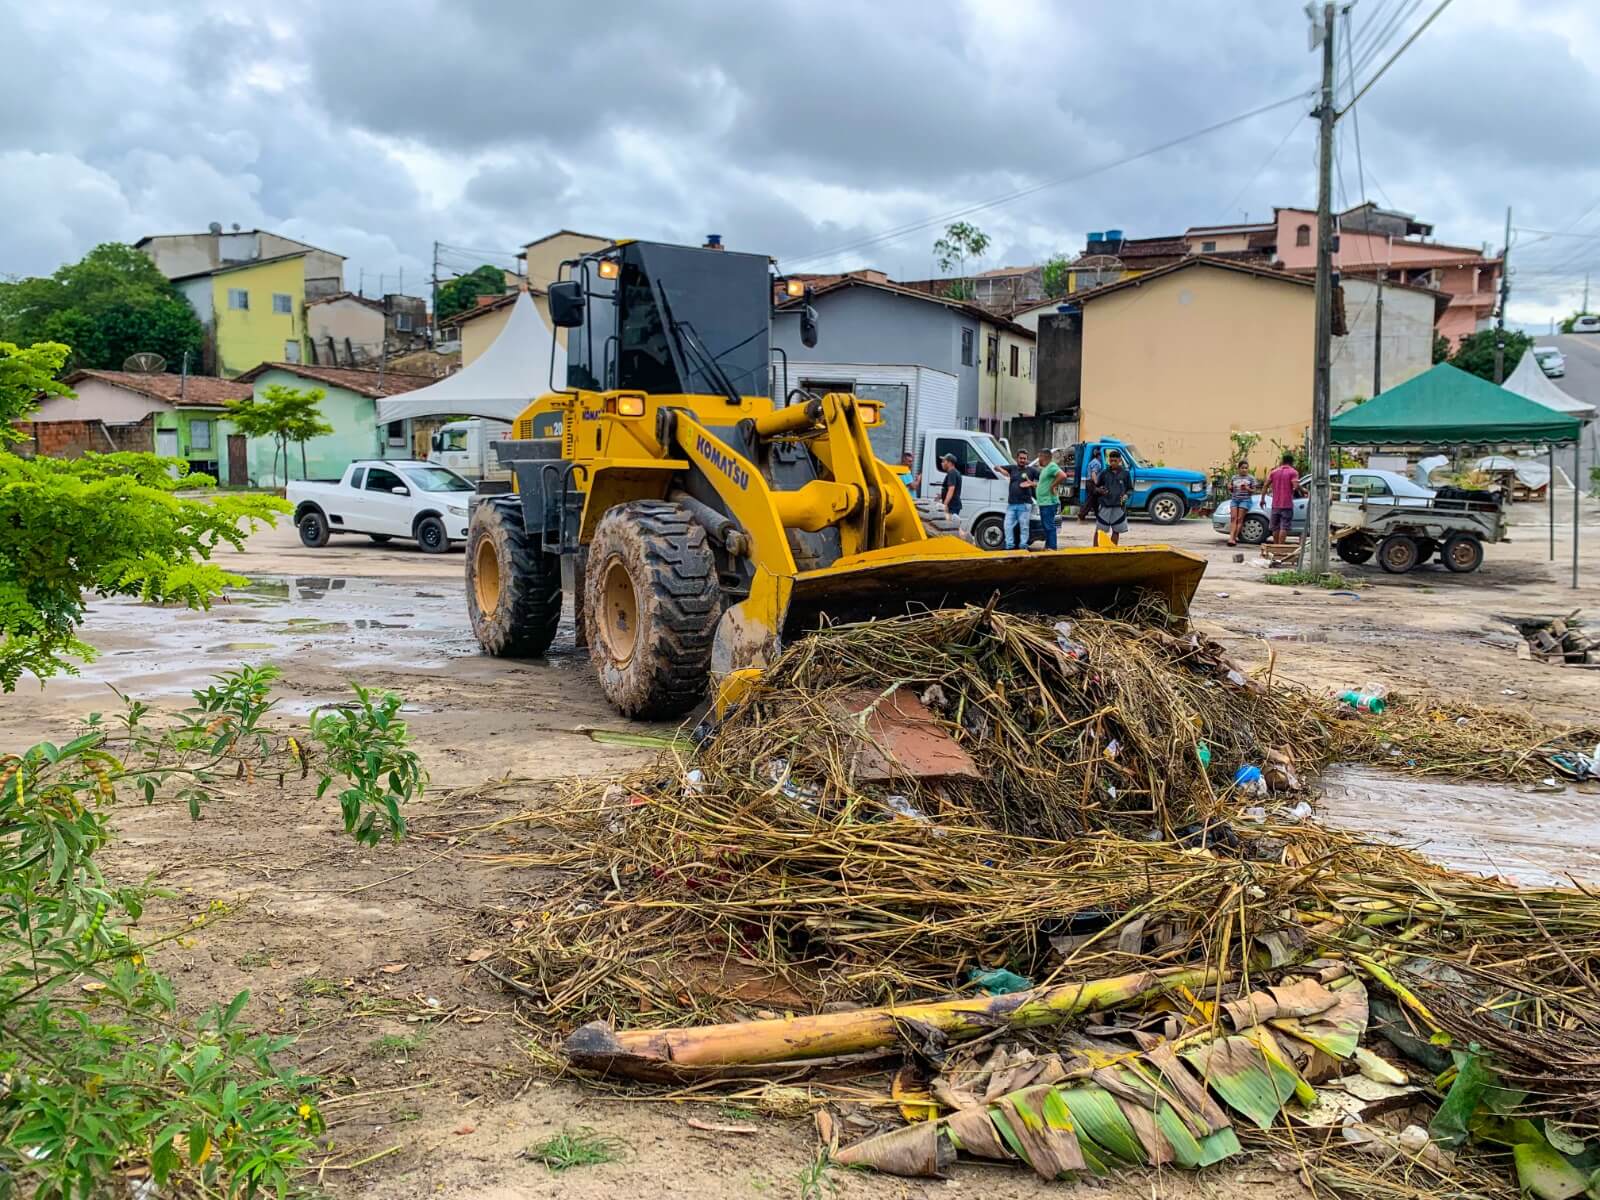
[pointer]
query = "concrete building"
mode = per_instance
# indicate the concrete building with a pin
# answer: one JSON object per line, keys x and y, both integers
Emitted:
{"x": 864, "y": 319}
{"x": 1409, "y": 316}
{"x": 251, "y": 312}
{"x": 542, "y": 258}
{"x": 170, "y": 415}
{"x": 179, "y": 255}
{"x": 343, "y": 329}
{"x": 1177, "y": 359}
{"x": 349, "y": 405}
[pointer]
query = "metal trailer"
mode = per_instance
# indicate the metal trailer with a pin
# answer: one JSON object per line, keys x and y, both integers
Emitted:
{"x": 1404, "y": 534}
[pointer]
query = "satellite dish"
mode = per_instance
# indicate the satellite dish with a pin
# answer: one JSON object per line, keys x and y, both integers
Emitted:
{"x": 146, "y": 362}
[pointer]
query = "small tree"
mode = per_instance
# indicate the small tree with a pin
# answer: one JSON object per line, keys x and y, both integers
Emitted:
{"x": 462, "y": 292}
{"x": 1441, "y": 348}
{"x": 284, "y": 414}
{"x": 960, "y": 242}
{"x": 1057, "y": 276}
{"x": 1476, "y": 352}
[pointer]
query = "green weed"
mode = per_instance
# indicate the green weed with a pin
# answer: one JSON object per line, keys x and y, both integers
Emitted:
{"x": 579, "y": 1147}
{"x": 1331, "y": 580}
{"x": 816, "y": 1179}
{"x": 395, "y": 1043}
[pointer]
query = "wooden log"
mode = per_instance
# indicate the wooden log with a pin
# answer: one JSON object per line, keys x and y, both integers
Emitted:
{"x": 643, "y": 1053}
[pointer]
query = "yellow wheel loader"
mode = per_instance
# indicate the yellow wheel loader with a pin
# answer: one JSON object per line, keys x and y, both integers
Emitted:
{"x": 699, "y": 516}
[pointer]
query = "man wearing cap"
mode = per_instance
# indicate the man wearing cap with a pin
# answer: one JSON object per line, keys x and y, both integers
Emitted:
{"x": 950, "y": 493}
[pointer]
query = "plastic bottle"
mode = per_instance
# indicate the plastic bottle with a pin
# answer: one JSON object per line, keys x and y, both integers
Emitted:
{"x": 1203, "y": 753}
{"x": 1371, "y": 697}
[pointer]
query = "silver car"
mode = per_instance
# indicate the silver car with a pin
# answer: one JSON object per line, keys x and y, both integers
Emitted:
{"x": 1551, "y": 361}
{"x": 1346, "y": 486}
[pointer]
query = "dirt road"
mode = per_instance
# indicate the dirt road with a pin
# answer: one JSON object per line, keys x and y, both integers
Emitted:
{"x": 365, "y": 953}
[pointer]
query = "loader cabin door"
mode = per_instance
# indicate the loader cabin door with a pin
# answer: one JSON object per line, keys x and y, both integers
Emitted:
{"x": 675, "y": 321}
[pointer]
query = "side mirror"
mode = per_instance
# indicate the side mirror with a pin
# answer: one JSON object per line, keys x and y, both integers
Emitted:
{"x": 808, "y": 327}
{"x": 566, "y": 304}
{"x": 401, "y": 491}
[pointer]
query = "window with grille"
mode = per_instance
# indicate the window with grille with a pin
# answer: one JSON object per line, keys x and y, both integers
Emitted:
{"x": 238, "y": 298}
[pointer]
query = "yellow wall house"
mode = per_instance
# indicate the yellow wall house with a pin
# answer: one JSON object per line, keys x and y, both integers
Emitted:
{"x": 252, "y": 312}
{"x": 1178, "y": 358}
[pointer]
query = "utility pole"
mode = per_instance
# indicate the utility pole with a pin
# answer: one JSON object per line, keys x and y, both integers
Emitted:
{"x": 1317, "y": 518}
{"x": 433, "y": 310}
{"x": 1505, "y": 296}
{"x": 1377, "y": 327}
{"x": 1586, "y": 291}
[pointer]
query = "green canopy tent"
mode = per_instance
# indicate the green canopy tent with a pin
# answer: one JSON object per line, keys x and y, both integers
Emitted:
{"x": 1446, "y": 406}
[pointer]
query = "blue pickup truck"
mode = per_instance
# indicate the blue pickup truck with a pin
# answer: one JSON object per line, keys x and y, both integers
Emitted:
{"x": 1164, "y": 494}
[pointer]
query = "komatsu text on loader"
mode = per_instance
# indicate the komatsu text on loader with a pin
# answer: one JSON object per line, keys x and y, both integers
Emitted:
{"x": 699, "y": 517}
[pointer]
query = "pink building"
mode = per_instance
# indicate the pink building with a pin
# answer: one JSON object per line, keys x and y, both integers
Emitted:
{"x": 1374, "y": 242}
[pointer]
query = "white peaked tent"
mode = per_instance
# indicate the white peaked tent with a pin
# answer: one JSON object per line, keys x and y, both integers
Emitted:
{"x": 499, "y": 383}
{"x": 1530, "y": 382}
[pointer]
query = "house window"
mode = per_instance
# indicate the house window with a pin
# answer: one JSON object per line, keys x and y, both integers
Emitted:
{"x": 991, "y": 357}
{"x": 291, "y": 351}
{"x": 1302, "y": 235}
{"x": 397, "y": 433}
{"x": 966, "y": 346}
{"x": 402, "y": 322}
{"x": 1033, "y": 362}
{"x": 1208, "y": 247}
{"x": 199, "y": 435}
{"x": 238, "y": 298}
{"x": 1016, "y": 355}
{"x": 282, "y": 303}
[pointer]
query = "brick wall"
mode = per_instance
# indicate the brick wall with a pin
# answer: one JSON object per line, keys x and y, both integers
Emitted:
{"x": 73, "y": 439}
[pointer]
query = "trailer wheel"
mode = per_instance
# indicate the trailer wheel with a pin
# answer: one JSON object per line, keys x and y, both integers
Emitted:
{"x": 1463, "y": 553}
{"x": 1355, "y": 549}
{"x": 513, "y": 589}
{"x": 988, "y": 533}
{"x": 653, "y": 601}
{"x": 1167, "y": 508}
{"x": 1397, "y": 553}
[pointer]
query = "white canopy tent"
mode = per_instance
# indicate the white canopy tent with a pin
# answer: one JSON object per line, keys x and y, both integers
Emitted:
{"x": 499, "y": 383}
{"x": 1530, "y": 382}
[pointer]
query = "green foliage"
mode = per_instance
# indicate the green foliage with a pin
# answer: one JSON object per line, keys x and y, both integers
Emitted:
{"x": 109, "y": 305}
{"x": 1594, "y": 482}
{"x": 960, "y": 242}
{"x": 580, "y": 1147}
{"x": 958, "y": 289}
{"x": 106, "y": 525}
{"x": 1056, "y": 274}
{"x": 1331, "y": 580}
{"x": 1568, "y": 322}
{"x": 284, "y": 414}
{"x": 366, "y": 744}
{"x": 1476, "y": 352}
{"x": 1441, "y": 348}
{"x": 1302, "y": 460}
{"x": 26, "y": 373}
{"x": 461, "y": 293}
{"x": 98, "y": 1075}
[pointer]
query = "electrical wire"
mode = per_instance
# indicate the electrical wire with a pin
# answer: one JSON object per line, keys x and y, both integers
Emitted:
{"x": 1355, "y": 118}
{"x": 1404, "y": 46}
{"x": 1403, "y": 12}
{"x": 901, "y": 231}
{"x": 1267, "y": 162}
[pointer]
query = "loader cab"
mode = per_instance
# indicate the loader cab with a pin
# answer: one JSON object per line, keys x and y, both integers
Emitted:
{"x": 666, "y": 320}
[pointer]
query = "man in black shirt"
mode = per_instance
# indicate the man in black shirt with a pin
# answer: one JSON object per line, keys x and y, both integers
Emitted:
{"x": 1113, "y": 488}
{"x": 951, "y": 489}
{"x": 1019, "y": 501}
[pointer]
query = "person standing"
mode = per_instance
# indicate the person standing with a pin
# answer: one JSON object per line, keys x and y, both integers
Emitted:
{"x": 1281, "y": 484}
{"x": 1241, "y": 493}
{"x": 1019, "y": 501}
{"x": 950, "y": 490}
{"x": 1091, "y": 471}
{"x": 908, "y": 472}
{"x": 1112, "y": 489}
{"x": 1046, "y": 494}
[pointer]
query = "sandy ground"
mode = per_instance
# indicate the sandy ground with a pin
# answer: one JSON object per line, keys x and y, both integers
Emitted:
{"x": 366, "y": 953}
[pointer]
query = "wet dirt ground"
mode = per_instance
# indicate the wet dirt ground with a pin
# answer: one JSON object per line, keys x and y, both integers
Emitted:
{"x": 366, "y": 953}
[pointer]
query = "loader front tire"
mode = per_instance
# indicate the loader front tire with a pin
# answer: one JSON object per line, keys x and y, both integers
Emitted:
{"x": 653, "y": 600}
{"x": 513, "y": 588}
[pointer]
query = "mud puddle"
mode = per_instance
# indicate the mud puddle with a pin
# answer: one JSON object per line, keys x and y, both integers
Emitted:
{"x": 1533, "y": 837}
{"x": 337, "y": 623}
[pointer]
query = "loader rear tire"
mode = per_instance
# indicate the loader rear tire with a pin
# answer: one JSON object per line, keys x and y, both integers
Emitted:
{"x": 938, "y": 523}
{"x": 513, "y": 588}
{"x": 653, "y": 601}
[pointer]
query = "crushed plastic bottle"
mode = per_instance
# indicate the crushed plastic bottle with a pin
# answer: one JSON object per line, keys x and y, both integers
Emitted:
{"x": 901, "y": 807}
{"x": 1203, "y": 753}
{"x": 998, "y": 981}
{"x": 694, "y": 783}
{"x": 1236, "y": 677}
{"x": 1064, "y": 642}
{"x": 1300, "y": 812}
{"x": 1370, "y": 697}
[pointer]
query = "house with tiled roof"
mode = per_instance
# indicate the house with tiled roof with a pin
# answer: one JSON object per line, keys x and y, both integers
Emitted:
{"x": 349, "y": 404}
{"x": 176, "y": 416}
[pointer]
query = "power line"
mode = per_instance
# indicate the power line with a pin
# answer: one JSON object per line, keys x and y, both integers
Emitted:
{"x": 1402, "y": 13}
{"x": 1267, "y": 162}
{"x": 1404, "y": 46}
{"x": 930, "y": 222}
{"x": 1355, "y": 118}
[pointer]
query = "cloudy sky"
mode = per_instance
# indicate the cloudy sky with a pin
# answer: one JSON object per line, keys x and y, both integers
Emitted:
{"x": 827, "y": 134}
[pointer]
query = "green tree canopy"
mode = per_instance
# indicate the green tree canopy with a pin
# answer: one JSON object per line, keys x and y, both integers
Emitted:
{"x": 960, "y": 242}
{"x": 111, "y": 304}
{"x": 284, "y": 414}
{"x": 1476, "y": 352}
{"x": 462, "y": 292}
{"x": 1056, "y": 272}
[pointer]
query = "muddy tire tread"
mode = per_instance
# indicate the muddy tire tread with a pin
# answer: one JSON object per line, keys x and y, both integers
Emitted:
{"x": 680, "y": 604}
{"x": 525, "y": 622}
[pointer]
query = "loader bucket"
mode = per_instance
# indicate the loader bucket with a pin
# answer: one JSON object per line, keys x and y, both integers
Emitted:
{"x": 947, "y": 572}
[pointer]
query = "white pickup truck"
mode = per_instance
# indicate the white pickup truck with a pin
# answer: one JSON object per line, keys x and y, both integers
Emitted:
{"x": 384, "y": 499}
